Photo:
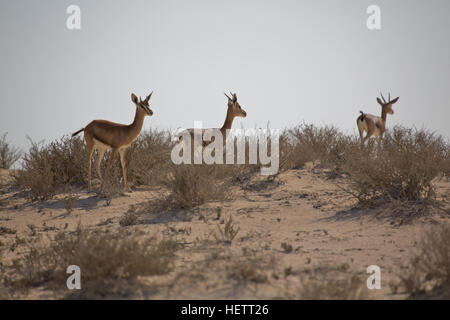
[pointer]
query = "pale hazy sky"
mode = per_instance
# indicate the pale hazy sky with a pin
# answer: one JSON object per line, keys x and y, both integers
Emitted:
{"x": 288, "y": 61}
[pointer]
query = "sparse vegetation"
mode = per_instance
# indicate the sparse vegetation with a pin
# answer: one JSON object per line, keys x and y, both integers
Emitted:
{"x": 128, "y": 219}
{"x": 250, "y": 267}
{"x": 70, "y": 201}
{"x": 192, "y": 185}
{"x": 307, "y": 142}
{"x": 229, "y": 231}
{"x": 100, "y": 256}
{"x": 428, "y": 275}
{"x": 8, "y": 154}
{"x": 287, "y": 247}
{"x": 402, "y": 169}
{"x": 330, "y": 282}
{"x": 4, "y": 294}
{"x": 219, "y": 213}
{"x": 400, "y": 172}
{"x": 48, "y": 168}
{"x": 32, "y": 229}
{"x": 110, "y": 185}
{"x": 148, "y": 157}
{"x": 6, "y": 230}
{"x": 349, "y": 288}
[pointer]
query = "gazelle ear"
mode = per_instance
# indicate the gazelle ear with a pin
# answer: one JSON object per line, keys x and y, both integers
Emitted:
{"x": 234, "y": 97}
{"x": 395, "y": 100}
{"x": 134, "y": 98}
{"x": 379, "y": 101}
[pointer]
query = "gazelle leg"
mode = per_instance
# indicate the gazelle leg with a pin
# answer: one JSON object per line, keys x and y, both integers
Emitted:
{"x": 113, "y": 157}
{"x": 123, "y": 162}
{"x": 101, "y": 153}
{"x": 90, "y": 152}
{"x": 370, "y": 132}
{"x": 379, "y": 141}
{"x": 361, "y": 134}
{"x": 365, "y": 138}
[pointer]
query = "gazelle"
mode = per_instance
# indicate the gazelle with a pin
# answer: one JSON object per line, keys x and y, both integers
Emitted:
{"x": 234, "y": 110}
{"x": 104, "y": 135}
{"x": 373, "y": 125}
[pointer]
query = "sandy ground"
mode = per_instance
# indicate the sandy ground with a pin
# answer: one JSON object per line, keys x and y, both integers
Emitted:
{"x": 298, "y": 226}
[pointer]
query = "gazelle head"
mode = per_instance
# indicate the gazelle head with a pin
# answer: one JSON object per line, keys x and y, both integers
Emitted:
{"x": 142, "y": 105}
{"x": 387, "y": 105}
{"x": 234, "y": 106}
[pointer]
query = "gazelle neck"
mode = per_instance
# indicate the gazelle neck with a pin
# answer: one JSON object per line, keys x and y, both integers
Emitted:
{"x": 228, "y": 122}
{"x": 138, "y": 122}
{"x": 384, "y": 115}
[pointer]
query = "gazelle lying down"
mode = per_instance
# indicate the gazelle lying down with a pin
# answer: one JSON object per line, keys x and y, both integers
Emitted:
{"x": 373, "y": 125}
{"x": 104, "y": 135}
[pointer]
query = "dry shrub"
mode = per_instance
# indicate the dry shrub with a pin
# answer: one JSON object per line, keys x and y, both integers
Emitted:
{"x": 403, "y": 168}
{"x": 4, "y": 294}
{"x": 229, "y": 231}
{"x": 331, "y": 282}
{"x": 446, "y": 164}
{"x": 6, "y": 230}
{"x": 308, "y": 142}
{"x": 287, "y": 247}
{"x": 8, "y": 154}
{"x": 148, "y": 157}
{"x": 350, "y": 288}
{"x": 48, "y": 168}
{"x": 102, "y": 257}
{"x": 429, "y": 273}
{"x": 111, "y": 185}
{"x": 70, "y": 200}
{"x": 250, "y": 268}
{"x": 129, "y": 218}
{"x": 193, "y": 185}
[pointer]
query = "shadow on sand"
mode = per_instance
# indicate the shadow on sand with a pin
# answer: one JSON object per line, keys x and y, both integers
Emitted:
{"x": 360, "y": 213}
{"x": 86, "y": 204}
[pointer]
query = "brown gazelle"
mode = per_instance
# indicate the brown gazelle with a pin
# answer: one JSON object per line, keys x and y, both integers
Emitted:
{"x": 373, "y": 125}
{"x": 104, "y": 135}
{"x": 234, "y": 110}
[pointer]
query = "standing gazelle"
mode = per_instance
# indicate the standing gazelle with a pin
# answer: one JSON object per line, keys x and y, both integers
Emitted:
{"x": 234, "y": 110}
{"x": 373, "y": 125}
{"x": 104, "y": 135}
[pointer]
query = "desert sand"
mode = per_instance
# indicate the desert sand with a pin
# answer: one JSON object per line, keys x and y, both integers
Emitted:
{"x": 296, "y": 227}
